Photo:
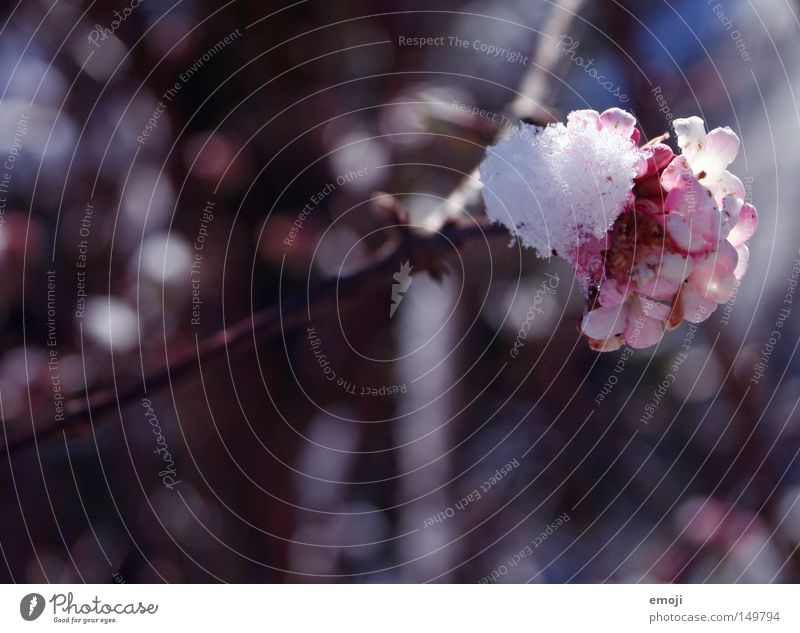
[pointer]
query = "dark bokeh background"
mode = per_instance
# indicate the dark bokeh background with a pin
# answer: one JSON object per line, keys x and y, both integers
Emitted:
{"x": 284, "y": 475}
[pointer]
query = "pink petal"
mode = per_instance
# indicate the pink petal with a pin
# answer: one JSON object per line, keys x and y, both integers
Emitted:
{"x": 726, "y": 256}
{"x": 607, "y": 345}
{"x": 603, "y": 323}
{"x": 724, "y": 183}
{"x": 654, "y": 309}
{"x": 713, "y": 276}
{"x": 720, "y": 284}
{"x": 661, "y": 155}
{"x": 693, "y": 221}
{"x": 658, "y": 287}
{"x": 642, "y": 329}
{"x": 669, "y": 177}
{"x": 744, "y": 260}
{"x": 721, "y": 148}
{"x": 641, "y": 166}
{"x": 689, "y": 197}
{"x": 584, "y": 118}
{"x": 681, "y": 198}
{"x": 691, "y": 135}
{"x": 696, "y": 307}
{"x": 745, "y": 227}
{"x": 731, "y": 209}
{"x": 613, "y": 293}
{"x": 645, "y": 333}
{"x": 618, "y": 121}
{"x": 684, "y": 235}
{"x": 676, "y": 267}
{"x": 670, "y": 271}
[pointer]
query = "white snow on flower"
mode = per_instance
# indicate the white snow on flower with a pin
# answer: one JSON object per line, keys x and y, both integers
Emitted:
{"x": 561, "y": 187}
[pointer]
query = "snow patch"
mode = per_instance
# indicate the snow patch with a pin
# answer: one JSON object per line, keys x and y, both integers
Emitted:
{"x": 561, "y": 187}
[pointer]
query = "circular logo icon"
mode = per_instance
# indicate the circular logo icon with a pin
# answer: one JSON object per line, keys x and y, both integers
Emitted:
{"x": 31, "y": 606}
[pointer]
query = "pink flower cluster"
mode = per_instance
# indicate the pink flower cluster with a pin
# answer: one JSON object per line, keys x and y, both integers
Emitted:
{"x": 678, "y": 249}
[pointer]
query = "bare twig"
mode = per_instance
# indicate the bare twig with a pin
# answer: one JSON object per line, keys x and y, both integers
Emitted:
{"x": 426, "y": 249}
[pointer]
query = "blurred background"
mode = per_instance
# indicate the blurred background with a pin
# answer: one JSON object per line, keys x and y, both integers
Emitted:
{"x": 171, "y": 167}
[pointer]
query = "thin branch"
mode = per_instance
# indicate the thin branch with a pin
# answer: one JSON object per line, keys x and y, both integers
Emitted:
{"x": 425, "y": 248}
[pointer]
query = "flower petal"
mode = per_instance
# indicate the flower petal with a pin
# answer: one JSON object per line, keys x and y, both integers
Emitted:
{"x": 649, "y": 333}
{"x": 726, "y": 256}
{"x": 696, "y": 307}
{"x": 643, "y": 331}
{"x": 690, "y": 197}
{"x": 745, "y": 226}
{"x": 613, "y": 293}
{"x": 691, "y": 135}
{"x": 693, "y": 221}
{"x": 584, "y": 118}
{"x": 654, "y": 309}
{"x": 731, "y": 210}
{"x": 720, "y": 150}
{"x": 669, "y": 177}
{"x": 744, "y": 261}
{"x": 722, "y": 184}
{"x": 603, "y": 323}
{"x": 608, "y": 345}
{"x": 676, "y": 267}
{"x": 618, "y": 121}
{"x": 713, "y": 276}
{"x": 685, "y": 237}
{"x": 661, "y": 156}
{"x": 669, "y": 272}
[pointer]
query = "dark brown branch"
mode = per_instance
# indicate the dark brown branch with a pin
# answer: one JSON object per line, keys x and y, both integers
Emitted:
{"x": 425, "y": 249}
